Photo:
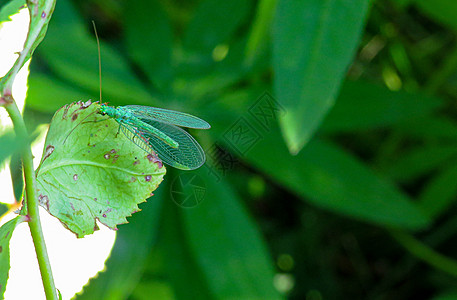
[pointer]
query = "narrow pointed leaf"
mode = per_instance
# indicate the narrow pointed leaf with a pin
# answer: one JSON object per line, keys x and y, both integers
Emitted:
{"x": 313, "y": 44}
{"x": 9, "y": 144}
{"x": 183, "y": 273}
{"x": 232, "y": 269}
{"x": 259, "y": 34}
{"x": 40, "y": 15}
{"x": 6, "y": 231}
{"x": 439, "y": 193}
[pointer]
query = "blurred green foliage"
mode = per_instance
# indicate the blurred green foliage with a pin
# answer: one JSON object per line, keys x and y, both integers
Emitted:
{"x": 364, "y": 93}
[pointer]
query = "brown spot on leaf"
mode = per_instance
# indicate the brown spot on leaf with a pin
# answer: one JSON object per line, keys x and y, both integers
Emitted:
{"x": 159, "y": 163}
{"x": 148, "y": 177}
{"x": 107, "y": 156}
{"x": 154, "y": 159}
{"x": 104, "y": 215}
{"x": 75, "y": 177}
{"x": 43, "y": 200}
{"x": 74, "y": 117}
{"x": 49, "y": 150}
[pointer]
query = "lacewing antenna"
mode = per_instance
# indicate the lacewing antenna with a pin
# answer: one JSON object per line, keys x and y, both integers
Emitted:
{"x": 99, "y": 61}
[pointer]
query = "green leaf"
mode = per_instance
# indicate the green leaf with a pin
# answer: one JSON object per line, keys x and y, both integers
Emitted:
{"x": 419, "y": 161}
{"x": 214, "y": 22}
{"x": 441, "y": 10}
{"x": 90, "y": 171}
{"x": 153, "y": 289}
{"x": 17, "y": 176}
{"x": 232, "y": 268}
{"x": 440, "y": 192}
{"x": 430, "y": 127}
{"x": 4, "y": 208}
{"x": 127, "y": 260}
{"x": 260, "y": 29}
{"x": 149, "y": 39}
{"x": 6, "y": 231}
{"x": 313, "y": 44}
{"x": 9, "y": 8}
{"x": 183, "y": 273}
{"x": 362, "y": 106}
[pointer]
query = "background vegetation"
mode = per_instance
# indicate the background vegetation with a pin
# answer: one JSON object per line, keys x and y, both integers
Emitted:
{"x": 365, "y": 98}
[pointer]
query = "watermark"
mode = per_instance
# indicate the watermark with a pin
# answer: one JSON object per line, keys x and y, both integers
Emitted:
{"x": 224, "y": 161}
{"x": 266, "y": 110}
{"x": 188, "y": 190}
{"x": 243, "y": 135}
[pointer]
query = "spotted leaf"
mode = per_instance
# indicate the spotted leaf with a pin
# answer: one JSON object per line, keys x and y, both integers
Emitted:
{"x": 89, "y": 171}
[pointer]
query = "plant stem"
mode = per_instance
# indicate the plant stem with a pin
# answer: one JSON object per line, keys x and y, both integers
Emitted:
{"x": 32, "y": 204}
{"x": 425, "y": 253}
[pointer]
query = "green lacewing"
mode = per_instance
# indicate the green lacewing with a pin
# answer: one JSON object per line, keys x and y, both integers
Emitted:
{"x": 155, "y": 130}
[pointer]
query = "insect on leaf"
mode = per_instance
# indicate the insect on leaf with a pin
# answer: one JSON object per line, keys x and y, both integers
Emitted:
{"x": 89, "y": 172}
